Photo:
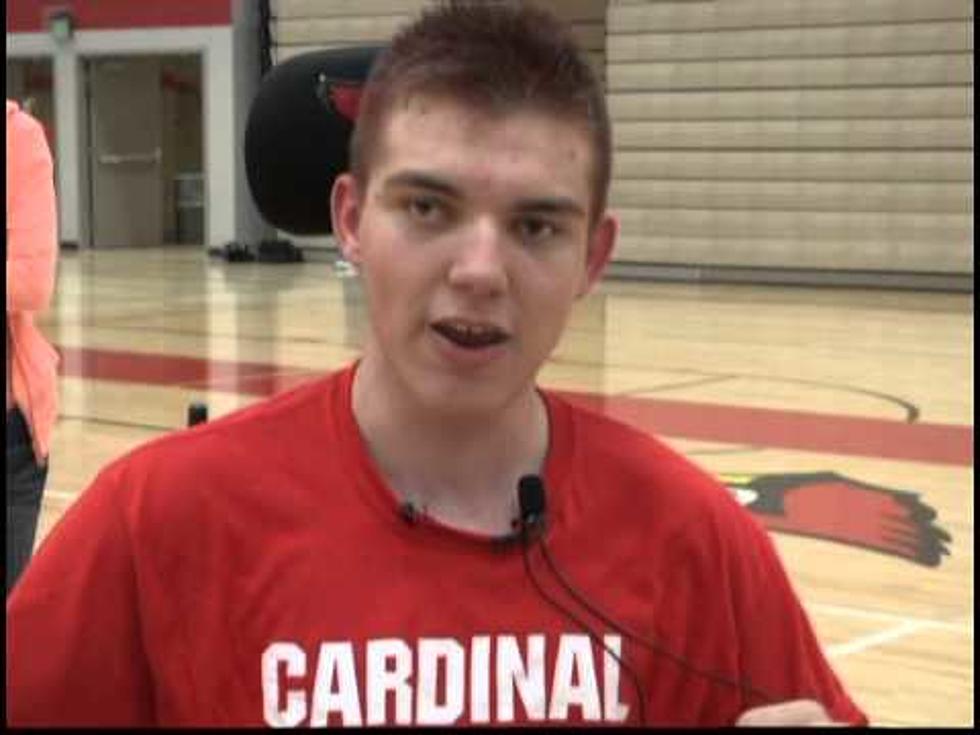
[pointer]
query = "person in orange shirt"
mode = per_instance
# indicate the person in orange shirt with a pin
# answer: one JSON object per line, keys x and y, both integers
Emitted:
{"x": 32, "y": 392}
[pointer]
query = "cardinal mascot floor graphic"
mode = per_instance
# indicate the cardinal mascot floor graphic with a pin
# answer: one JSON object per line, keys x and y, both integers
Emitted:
{"x": 833, "y": 507}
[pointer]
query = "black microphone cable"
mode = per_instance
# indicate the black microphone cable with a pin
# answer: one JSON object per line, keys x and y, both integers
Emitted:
{"x": 532, "y": 502}
{"x": 525, "y": 545}
{"x": 744, "y": 685}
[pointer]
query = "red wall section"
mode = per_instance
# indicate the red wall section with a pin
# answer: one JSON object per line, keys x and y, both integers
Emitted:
{"x": 25, "y": 16}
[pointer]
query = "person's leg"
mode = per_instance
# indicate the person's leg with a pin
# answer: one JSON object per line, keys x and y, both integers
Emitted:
{"x": 25, "y": 484}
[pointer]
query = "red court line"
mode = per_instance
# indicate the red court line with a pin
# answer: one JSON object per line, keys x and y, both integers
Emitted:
{"x": 814, "y": 432}
{"x": 948, "y": 444}
{"x": 250, "y": 378}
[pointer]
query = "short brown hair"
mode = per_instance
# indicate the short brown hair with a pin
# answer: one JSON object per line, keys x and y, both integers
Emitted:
{"x": 497, "y": 56}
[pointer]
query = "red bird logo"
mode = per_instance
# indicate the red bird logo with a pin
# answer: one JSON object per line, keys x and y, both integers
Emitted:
{"x": 829, "y": 506}
{"x": 346, "y": 100}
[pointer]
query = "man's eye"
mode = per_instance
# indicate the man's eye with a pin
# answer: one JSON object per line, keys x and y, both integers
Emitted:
{"x": 423, "y": 209}
{"x": 535, "y": 229}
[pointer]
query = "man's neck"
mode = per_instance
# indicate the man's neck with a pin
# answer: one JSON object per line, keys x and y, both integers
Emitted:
{"x": 461, "y": 470}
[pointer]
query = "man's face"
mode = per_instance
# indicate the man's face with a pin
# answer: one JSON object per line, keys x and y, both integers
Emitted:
{"x": 473, "y": 239}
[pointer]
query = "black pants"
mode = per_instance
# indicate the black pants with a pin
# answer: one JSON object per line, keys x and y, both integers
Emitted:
{"x": 25, "y": 484}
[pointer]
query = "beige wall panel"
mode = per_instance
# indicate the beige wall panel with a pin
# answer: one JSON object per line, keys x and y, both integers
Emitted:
{"x": 348, "y": 30}
{"x": 912, "y": 102}
{"x": 683, "y": 15}
{"x": 576, "y": 10}
{"x": 940, "y": 256}
{"x": 820, "y": 226}
{"x": 590, "y": 36}
{"x": 797, "y": 196}
{"x": 792, "y": 165}
{"x": 572, "y": 10}
{"x": 325, "y": 26}
{"x": 335, "y": 8}
{"x": 801, "y": 134}
{"x": 903, "y": 71}
{"x": 832, "y": 134}
{"x": 281, "y": 53}
{"x": 310, "y": 21}
{"x": 854, "y": 118}
{"x": 854, "y": 254}
{"x": 897, "y": 38}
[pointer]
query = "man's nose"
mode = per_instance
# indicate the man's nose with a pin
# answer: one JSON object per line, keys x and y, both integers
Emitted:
{"x": 478, "y": 264}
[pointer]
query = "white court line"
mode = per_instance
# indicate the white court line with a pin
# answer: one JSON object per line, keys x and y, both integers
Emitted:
{"x": 863, "y": 643}
{"x": 61, "y": 495}
{"x": 855, "y": 612}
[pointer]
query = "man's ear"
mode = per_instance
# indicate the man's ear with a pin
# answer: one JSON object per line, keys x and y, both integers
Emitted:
{"x": 345, "y": 213}
{"x": 600, "y": 248}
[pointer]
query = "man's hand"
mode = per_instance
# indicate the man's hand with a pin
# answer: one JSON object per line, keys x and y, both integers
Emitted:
{"x": 795, "y": 712}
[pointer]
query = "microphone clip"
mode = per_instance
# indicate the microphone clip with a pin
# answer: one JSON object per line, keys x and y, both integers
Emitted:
{"x": 411, "y": 513}
{"x": 531, "y": 498}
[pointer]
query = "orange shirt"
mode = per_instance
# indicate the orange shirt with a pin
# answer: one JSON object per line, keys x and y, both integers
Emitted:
{"x": 32, "y": 254}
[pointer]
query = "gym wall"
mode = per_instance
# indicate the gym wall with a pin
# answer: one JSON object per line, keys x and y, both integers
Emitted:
{"x": 828, "y": 136}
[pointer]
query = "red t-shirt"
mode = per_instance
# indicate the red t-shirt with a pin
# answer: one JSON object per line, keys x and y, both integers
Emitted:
{"x": 257, "y": 570}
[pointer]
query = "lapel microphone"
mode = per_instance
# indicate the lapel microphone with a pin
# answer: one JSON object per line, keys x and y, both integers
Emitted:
{"x": 531, "y": 517}
{"x": 531, "y": 500}
{"x": 410, "y": 512}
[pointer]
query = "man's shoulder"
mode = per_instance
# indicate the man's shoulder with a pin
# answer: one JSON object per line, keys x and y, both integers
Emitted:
{"x": 604, "y": 437}
{"x": 650, "y": 474}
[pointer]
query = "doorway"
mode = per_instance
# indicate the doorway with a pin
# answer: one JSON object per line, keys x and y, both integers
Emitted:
{"x": 145, "y": 150}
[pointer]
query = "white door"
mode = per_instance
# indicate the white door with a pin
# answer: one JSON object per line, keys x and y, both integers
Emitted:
{"x": 125, "y": 107}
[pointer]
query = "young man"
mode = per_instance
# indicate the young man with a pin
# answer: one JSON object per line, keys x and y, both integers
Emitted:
{"x": 346, "y": 554}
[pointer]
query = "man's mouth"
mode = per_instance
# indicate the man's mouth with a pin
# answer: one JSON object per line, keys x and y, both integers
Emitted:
{"x": 470, "y": 335}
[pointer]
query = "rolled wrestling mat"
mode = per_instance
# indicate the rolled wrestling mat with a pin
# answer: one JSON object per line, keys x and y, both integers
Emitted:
{"x": 297, "y": 134}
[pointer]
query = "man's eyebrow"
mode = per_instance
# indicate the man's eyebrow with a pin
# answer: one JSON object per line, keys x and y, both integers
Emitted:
{"x": 551, "y": 205}
{"x": 421, "y": 180}
{"x": 542, "y": 205}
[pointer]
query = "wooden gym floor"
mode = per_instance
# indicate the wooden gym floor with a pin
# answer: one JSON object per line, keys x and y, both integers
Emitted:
{"x": 839, "y": 416}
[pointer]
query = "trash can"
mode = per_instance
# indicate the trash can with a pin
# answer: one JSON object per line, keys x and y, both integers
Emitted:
{"x": 189, "y": 198}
